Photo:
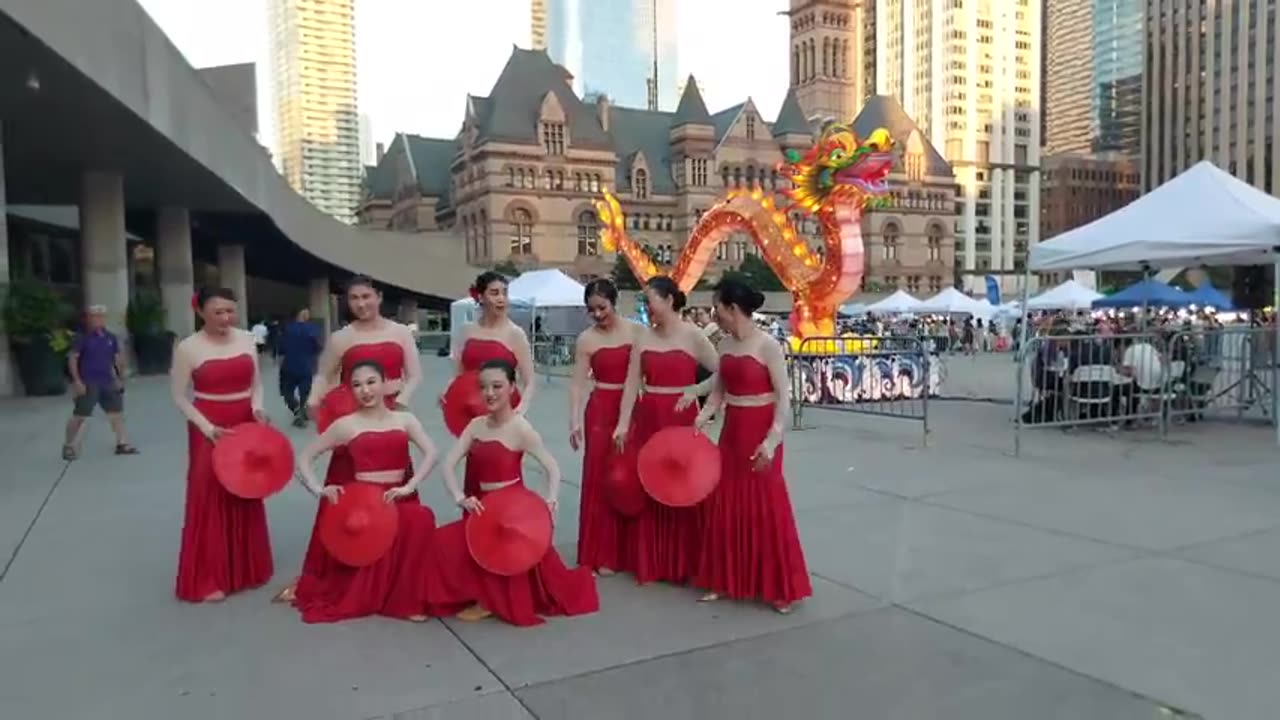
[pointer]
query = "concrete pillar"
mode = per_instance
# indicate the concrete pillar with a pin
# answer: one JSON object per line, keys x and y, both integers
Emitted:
{"x": 319, "y": 301}
{"x": 408, "y": 311}
{"x": 8, "y": 373}
{"x": 104, "y": 252}
{"x": 231, "y": 274}
{"x": 173, "y": 264}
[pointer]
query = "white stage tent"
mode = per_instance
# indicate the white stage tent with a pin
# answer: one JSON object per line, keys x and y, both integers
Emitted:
{"x": 897, "y": 303}
{"x": 1070, "y": 295}
{"x": 547, "y": 288}
{"x": 1203, "y": 216}
{"x": 952, "y": 302}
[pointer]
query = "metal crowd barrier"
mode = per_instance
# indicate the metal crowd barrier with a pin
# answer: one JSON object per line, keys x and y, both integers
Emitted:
{"x": 553, "y": 353}
{"x": 883, "y": 376}
{"x": 1155, "y": 378}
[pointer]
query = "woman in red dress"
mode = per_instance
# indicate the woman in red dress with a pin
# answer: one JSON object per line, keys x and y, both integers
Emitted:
{"x": 605, "y": 542}
{"x": 663, "y": 372}
{"x": 377, "y": 440}
{"x": 494, "y": 446}
{"x": 370, "y": 336}
{"x": 750, "y": 548}
{"x": 493, "y": 336}
{"x": 225, "y": 544}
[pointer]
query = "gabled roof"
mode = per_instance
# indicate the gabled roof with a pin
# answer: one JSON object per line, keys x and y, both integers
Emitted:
{"x": 791, "y": 118}
{"x": 515, "y": 102}
{"x": 432, "y": 159}
{"x": 644, "y": 131}
{"x": 725, "y": 119}
{"x": 691, "y": 110}
{"x": 882, "y": 111}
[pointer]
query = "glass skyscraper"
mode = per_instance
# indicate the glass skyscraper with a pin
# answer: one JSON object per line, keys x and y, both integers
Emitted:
{"x": 609, "y": 46}
{"x": 1094, "y": 76}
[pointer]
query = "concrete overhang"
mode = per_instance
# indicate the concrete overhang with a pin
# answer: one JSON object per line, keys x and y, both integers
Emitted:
{"x": 96, "y": 86}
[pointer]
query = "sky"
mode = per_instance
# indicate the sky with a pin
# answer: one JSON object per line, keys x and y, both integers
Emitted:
{"x": 418, "y": 59}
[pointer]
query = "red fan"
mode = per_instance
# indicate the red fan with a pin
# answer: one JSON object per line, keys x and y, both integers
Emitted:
{"x": 679, "y": 466}
{"x": 462, "y": 402}
{"x": 360, "y": 528}
{"x": 338, "y": 402}
{"x": 254, "y": 461}
{"x": 513, "y": 532}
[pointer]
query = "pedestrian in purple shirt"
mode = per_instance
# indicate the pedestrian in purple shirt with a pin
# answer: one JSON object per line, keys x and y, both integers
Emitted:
{"x": 97, "y": 375}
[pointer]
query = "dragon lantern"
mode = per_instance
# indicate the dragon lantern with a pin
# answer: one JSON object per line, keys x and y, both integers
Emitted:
{"x": 833, "y": 182}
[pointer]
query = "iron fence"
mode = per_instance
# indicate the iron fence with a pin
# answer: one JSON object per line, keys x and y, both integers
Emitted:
{"x": 1155, "y": 378}
{"x": 883, "y": 376}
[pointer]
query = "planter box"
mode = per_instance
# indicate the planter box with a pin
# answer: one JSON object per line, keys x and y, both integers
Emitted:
{"x": 41, "y": 368}
{"x": 153, "y": 353}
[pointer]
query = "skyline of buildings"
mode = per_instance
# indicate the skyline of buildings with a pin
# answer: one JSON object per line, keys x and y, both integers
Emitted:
{"x": 613, "y": 47}
{"x": 968, "y": 73}
{"x": 313, "y": 71}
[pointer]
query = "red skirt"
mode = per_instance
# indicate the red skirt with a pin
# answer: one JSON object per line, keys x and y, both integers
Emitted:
{"x": 394, "y": 586}
{"x": 667, "y": 538}
{"x": 550, "y": 588}
{"x": 605, "y": 538}
{"x": 750, "y": 545}
{"x": 225, "y": 543}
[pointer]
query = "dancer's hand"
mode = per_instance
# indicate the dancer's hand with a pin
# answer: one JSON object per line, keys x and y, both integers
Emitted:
{"x": 397, "y": 492}
{"x": 763, "y": 457}
{"x": 313, "y": 410}
{"x": 471, "y": 505}
{"x": 553, "y": 505}
{"x": 619, "y": 437}
{"x": 261, "y": 416}
{"x": 331, "y": 492}
{"x": 575, "y": 436}
{"x": 217, "y": 433}
{"x": 687, "y": 398}
{"x": 440, "y": 400}
{"x": 700, "y": 423}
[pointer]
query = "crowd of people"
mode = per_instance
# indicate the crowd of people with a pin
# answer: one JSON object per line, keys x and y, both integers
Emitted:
{"x": 629, "y": 382}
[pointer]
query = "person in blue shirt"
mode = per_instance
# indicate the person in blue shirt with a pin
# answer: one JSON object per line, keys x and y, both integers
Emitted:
{"x": 300, "y": 345}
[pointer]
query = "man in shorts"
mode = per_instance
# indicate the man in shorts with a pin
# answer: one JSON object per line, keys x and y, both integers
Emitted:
{"x": 97, "y": 376}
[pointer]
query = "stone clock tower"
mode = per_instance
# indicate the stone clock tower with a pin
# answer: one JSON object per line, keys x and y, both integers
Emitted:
{"x": 831, "y": 51}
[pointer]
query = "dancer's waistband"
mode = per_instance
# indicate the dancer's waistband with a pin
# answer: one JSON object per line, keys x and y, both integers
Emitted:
{"x": 223, "y": 397}
{"x": 667, "y": 389}
{"x": 381, "y": 477}
{"x": 762, "y": 400}
{"x": 607, "y": 386}
{"x": 490, "y": 487}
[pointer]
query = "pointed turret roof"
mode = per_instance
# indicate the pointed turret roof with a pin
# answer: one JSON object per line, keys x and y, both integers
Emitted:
{"x": 691, "y": 110}
{"x": 791, "y": 117}
{"x": 882, "y": 111}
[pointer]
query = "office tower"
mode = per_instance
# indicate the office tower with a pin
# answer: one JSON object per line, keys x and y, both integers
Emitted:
{"x": 538, "y": 24}
{"x": 313, "y": 62}
{"x": 613, "y": 47}
{"x": 1212, "y": 89}
{"x": 968, "y": 73}
{"x": 831, "y": 69}
{"x": 1093, "y": 76}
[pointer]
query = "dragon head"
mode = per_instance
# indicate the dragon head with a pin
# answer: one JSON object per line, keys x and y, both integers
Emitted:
{"x": 840, "y": 166}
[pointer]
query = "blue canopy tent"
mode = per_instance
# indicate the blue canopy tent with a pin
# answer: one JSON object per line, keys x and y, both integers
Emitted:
{"x": 1210, "y": 296}
{"x": 1146, "y": 293}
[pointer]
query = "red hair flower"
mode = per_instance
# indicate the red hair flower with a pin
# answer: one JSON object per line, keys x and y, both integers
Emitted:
{"x": 195, "y": 301}
{"x": 475, "y": 294}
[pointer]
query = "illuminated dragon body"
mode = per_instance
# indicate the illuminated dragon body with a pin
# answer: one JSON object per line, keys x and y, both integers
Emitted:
{"x": 834, "y": 181}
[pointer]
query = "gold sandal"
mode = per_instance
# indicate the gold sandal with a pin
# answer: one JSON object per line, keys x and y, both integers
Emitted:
{"x": 474, "y": 613}
{"x": 287, "y": 595}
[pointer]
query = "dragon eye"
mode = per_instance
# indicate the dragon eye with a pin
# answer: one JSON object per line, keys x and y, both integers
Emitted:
{"x": 837, "y": 155}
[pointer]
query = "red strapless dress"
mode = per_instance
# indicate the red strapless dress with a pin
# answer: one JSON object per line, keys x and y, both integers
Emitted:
{"x": 551, "y": 588}
{"x": 604, "y": 537}
{"x": 478, "y": 351}
{"x": 390, "y": 355}
{"x": 396, "y": 585}
{"x": 750, "y": 545}
{"x": 666, "y": 538}
{"x": 225, "y": 543}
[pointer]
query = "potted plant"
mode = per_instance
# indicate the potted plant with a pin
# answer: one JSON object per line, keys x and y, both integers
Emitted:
{"x": 152, "y": 341}
{"x": 35, "y": 318}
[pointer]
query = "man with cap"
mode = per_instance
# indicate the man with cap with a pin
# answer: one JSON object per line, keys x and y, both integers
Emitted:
{"x": 97, "y": 375}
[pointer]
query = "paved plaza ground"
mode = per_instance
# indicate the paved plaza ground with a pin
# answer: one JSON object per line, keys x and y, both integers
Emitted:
{"x": 1097, "y": 576}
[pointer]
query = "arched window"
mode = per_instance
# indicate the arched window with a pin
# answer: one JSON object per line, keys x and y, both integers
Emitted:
{"x": 577, "y": 182}
{"x": 737, "y": 177}
{"x": 588, "y": 233}
{"x": 640, "y": 183}
{"x": 521, "y": 232}
{"x": 826, "y": 57}
{"x": 795, "y": 66}
{"x": 813, "y": 66}
{"x": 511, "y": 177}
{"x": 486, "y": 251}
{"x": 644, "y": 221}
{"x": 724, "y": 175}
{"x": 934, "y": 239}
{"x": 844, "y": 59}
{"x": 773, "y": 179}
{"x": 551, "y": 180}
{"x": 595, "y": 183}
{"x": 891, "y": 235}
{"x": 466, "y": 232}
